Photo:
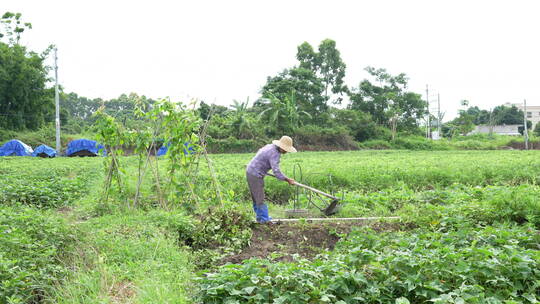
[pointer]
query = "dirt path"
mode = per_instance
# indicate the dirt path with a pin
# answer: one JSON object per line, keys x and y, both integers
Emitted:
{"x": 279, "y": 242}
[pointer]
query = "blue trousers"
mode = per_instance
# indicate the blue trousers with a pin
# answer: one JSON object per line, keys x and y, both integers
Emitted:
{"x": 261, "y": 211}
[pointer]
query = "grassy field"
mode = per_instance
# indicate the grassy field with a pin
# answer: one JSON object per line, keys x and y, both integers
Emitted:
{"x": 468, "y": 232}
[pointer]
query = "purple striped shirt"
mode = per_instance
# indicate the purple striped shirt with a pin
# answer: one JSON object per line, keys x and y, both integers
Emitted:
{"x": 266, "y": 158}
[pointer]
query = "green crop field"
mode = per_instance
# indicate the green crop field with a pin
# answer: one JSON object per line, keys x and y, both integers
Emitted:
{"x": 468, "y": 231}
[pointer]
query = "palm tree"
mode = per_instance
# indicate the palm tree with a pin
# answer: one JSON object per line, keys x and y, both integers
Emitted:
{"x": 284, "y": 115}
{"x": 241, "y": 122}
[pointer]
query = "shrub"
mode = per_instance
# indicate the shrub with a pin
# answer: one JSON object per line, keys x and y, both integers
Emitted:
{"x": 315, "y": 138}
{"x": 375, "y": 144}
{"x": 536, "y": 130}
{"x": 359, "y": 124}
{"x": 234, "y": 145}
{"x": 214, "y": 233}
{"x": 413, "y": 143}
{"x": 382, "y": 133}
{"x": 474, "y": 145}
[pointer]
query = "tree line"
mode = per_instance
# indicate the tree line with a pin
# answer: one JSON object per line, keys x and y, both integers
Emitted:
{"x": 309, "y": 99}
{"x": 474, "y": 116}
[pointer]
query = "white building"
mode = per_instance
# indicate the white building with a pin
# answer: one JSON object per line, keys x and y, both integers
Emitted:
{"x": 500, "y": 130}
{"x": 533, "y": 112}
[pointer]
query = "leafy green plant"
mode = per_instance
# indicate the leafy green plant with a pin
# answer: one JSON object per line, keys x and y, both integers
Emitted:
{"x": 179, "y": 127}
{"x": 35, "y": 182}
{"x": 218, "y": 232}
{"x": 30, "y": 255}
{"x": 112, "y": 135}
{"x": 471, "y": 266}
{"x": 284, "y": 115}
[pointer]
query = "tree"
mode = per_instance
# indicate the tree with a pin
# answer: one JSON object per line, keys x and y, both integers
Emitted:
{"x": 123, "y": 107}
{"x": 318, "y": 76}
{"x": 13, "y": 27}
{"x": 388, "y": 100}
{"x": 504, "y": 115}
{"x": 79, "y": 107}
{"x": 464, "y": 122}
{"x": 307, "y": 86}
{"x": 205, "y": 110}
{"x": 480, "y": 117}
{"x": 501, "y": 115}
{"x": 537, "y": 129}
{"x": 283, "y": 116}
{"x": 359, "y": 124}
{"x": 241, "y": 120}
{"x": 326, "y": 65}
{"x": 25, "y": 100}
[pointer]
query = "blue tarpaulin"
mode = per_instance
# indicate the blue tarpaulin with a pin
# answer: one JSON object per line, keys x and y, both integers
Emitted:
{"x": 84, "y": 147}
{"x": 15, "y": 148}
{"x": 44, "y": 150}
{"x": 163, "y": 150}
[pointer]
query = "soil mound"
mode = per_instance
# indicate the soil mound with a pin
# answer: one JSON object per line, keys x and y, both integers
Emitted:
{"x": 280, "y": 242}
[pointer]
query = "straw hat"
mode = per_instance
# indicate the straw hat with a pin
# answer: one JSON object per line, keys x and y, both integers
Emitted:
{"x": 285, "y": 143}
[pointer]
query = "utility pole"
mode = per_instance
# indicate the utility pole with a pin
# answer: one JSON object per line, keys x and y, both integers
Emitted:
{"x": 57, "y": 102}
{"x": 428, "y": 124}
{"x": 490, "y": 122}
{"x": 525, "y": 133}
{"x": 439, "y": 114}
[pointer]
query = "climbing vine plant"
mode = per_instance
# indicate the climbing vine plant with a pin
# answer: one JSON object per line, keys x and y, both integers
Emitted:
{"x": 111, "y": 134}
{"x": 178, "y": 126}
{"x": 168, "y": 124}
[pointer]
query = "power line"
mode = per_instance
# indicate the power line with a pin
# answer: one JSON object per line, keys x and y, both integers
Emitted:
{"x": 10, "y": 114}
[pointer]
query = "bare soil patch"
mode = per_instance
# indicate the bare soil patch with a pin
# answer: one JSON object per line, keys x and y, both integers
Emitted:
{"x": 521, "y": 145}
{"x": 280, "y": 242}
{"x": 122, "y": 292}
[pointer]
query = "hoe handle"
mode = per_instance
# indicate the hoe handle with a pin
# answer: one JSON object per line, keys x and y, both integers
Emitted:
{"x": 310, "y": 189}
{"x": 316, "y": 190}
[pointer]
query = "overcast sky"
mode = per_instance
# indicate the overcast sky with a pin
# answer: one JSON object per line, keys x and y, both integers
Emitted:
{"x": 487, "y": 52}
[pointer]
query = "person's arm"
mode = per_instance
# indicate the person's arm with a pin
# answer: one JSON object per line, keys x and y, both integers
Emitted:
{"x": 274, "y": 163}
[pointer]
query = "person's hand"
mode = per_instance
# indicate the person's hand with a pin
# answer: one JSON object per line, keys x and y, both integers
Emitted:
{"x": 291, "y": 181}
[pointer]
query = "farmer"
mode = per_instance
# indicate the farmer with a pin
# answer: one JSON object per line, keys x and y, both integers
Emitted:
{"x": 266, "y": 158}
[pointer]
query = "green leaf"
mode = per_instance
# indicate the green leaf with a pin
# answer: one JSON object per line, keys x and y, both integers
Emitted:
{"x": 402, "y": 300}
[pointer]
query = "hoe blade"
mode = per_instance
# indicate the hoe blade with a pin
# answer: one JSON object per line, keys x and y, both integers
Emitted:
{"x": 332, "y": 208}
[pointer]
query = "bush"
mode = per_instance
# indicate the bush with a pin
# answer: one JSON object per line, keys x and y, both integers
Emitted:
{"x": 382, "y": 133}
{"x": 375, "y": 144}
{"x": 405, "y": 143}
{"x": 536, "y": 130}
{"x": 359, "y": 124}
{"x": 307, "y": 138}
{"x": 212, "y": 234}
{"x": 413, "y": 143}
{"x": 474, "y": 145}
{"x": 315, "y": 138}
{"x": 473, "y": 142}
{"x": 32, "y": 244}
{"x": 234, "y": 145}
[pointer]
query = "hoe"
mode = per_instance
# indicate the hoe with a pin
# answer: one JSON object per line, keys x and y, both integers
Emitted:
{"x": 331, "y": 209}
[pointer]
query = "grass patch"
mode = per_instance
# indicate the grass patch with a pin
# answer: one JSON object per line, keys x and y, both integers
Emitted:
{"x": 131, "y": 258}
{"x": 33, "y": 243}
